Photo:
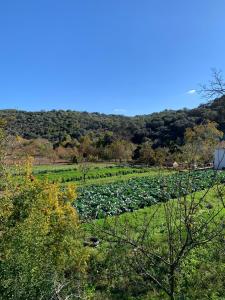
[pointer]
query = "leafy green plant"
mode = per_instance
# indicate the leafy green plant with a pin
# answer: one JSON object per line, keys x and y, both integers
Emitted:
{"x": 117, "y": 198}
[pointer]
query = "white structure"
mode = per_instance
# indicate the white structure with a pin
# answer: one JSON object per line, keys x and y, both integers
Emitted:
{"x": 219, "y": 159}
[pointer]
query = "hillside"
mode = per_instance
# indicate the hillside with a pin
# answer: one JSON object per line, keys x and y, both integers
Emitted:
{"x": 165, "y": 128}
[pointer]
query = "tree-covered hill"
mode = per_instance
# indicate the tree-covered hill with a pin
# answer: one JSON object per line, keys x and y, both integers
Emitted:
{"x": 165, "y": 128}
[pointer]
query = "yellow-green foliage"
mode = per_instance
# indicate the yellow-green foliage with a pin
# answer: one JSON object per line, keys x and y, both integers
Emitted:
{"x": 40, "y": 239}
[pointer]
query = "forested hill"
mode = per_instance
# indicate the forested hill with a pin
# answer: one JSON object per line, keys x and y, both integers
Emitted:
{"x": 164, "y": 128}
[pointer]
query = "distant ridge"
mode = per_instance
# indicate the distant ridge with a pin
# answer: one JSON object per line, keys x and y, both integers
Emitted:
{"x": 165, "y": 128}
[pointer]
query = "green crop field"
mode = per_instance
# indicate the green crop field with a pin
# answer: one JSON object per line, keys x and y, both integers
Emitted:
{"x": 119, "y": 197}
{"x": 53, "y": 167}
{"x": 95, "y": 173}
{"x": 139, "y": 216}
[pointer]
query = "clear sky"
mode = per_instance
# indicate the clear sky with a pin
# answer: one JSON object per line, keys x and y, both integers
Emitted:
{"x": 112, "y": 56}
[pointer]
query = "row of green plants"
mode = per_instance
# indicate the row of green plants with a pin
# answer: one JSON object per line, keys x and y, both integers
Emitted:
{"x": 96, "y": 202}
{"x": 105, "y": 175}
{"x": 59, "y": 169}
{"x": 78, "y": 175}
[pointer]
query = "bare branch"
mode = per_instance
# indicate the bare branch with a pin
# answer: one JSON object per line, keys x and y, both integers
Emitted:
{"x": 215, "y": 87}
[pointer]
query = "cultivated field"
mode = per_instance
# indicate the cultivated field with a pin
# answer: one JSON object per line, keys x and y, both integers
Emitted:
{"x": 93, "y": 173}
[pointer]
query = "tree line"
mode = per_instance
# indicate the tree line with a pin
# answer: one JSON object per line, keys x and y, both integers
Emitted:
{"x": 199, "y": 143}
{"x": 165, "y": 128}
{"x": 75, "y": 136}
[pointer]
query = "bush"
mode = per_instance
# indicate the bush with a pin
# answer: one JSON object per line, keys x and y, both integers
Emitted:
{"x": 40, "y": 240}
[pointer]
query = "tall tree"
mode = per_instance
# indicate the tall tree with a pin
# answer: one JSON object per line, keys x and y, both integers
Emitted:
{"x": 200, "y": 142}
{"x": 120, "y": 150}
{"x": 147, "y": 154}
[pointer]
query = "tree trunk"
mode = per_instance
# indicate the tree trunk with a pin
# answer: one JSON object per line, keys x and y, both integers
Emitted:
{"x": 171, "y": 283}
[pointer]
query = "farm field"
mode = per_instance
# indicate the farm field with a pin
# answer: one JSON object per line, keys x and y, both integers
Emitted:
{"x": 113, "y": 189}
{"x": 138, "y": 217}
{"x": 120, "y": 197}
{"x": 94, "y": 174}
{"x": 52, "y": 167}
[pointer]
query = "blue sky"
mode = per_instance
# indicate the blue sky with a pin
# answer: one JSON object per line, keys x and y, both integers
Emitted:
{"x": 112, "y": 56}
